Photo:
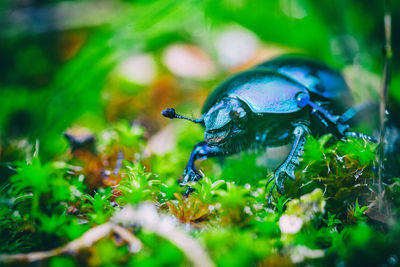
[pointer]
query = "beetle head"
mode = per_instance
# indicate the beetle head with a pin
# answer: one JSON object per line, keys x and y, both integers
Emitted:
{"x": 225, "y": 120}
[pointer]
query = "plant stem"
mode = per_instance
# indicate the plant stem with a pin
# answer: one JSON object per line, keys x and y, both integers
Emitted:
{"x": 383, "y": 96}
{"x": 86, "y": 240}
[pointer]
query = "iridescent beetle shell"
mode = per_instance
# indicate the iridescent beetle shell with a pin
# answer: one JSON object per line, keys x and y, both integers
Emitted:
{"x": 263, "y": 90}
{"x": 319, "y": 79}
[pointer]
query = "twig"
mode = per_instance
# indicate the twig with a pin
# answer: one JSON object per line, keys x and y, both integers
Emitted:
{"x": 146, "y": 216}
{"x": 86, "y": 240}
{"x": 133, "y": 241}
{"x": 382, "y": 99}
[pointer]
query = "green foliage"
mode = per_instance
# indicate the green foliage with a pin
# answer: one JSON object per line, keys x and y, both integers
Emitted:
{"x": 62, "y": 261}
{"x": 231, "y": 247}
{"x": 190, "y": 210}
{"x": 127, "y": 135}
{"x": 331, "y": 221}
{"x": 164, "y": 254}
{"x": 242, "y": 169}
{"x": 98, "y": 207}
{"x": 356, "y": 213}
{"x": 206, "y": 189}
{"x": 237, "y": 228}
{"x": 34, "y": 181}
{"x": 137, "y": 186}
{"x": 341, "y": 170}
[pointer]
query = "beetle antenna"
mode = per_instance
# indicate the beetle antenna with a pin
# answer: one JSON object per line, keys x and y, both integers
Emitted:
{"x": 170, "y": 113}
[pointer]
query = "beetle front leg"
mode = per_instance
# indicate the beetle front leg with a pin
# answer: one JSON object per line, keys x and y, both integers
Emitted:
{"x": 200, "y": 151}
{"x": 286, "y": 169}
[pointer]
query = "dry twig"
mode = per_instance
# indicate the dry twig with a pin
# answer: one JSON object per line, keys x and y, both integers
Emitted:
{"x": 144, "y": 216}
{"x": 86, "y": 240}
{"x": 147, "y": 217}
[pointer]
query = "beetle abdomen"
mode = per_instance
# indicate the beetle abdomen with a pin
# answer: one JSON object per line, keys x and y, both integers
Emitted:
{"x": 317, "y": 77}
{"x": 262, "y": 90}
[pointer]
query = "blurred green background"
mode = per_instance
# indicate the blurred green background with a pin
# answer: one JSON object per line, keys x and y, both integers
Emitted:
{"x": 70, "y": 64}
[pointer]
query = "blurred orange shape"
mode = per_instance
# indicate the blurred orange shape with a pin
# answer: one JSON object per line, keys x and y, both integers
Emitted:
{"x": 188, "y": 61}
{"x": 236, "y": 46}
{"x": 139, "y": 69}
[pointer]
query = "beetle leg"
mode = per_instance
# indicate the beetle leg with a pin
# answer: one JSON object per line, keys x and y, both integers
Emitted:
{"x": 339, "y": 123}
{"x": 352, "y": 112}
{"x": 270, "y": 191}
{"x": 286, "y": 169}
{"x": 361, "y": 135}
{"x": 337, "y": 126}
{"x": 323, "y": 121}
{"x": 200, "y": 151}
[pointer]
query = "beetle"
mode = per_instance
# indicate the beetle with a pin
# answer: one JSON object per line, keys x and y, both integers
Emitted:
{"x": 275, "y": 103}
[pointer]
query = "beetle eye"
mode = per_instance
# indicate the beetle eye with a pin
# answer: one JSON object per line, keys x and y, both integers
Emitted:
{"x": 237, "y": 114}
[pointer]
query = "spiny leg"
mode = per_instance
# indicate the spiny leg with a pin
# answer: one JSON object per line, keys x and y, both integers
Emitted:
{"x": 270, "y": 191}
{"x": 331, "y": 122}
{"x": 361, "y": 135}
{"x": 352, "y": 112}
{"x": 200, "y": 151}
{"x": 336, "y": 124}
{"x": 339, "y": 124}
{"x": 286, "y": 169}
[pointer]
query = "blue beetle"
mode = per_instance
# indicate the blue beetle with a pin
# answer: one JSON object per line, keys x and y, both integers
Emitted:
{"x": 275, "y": 103}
